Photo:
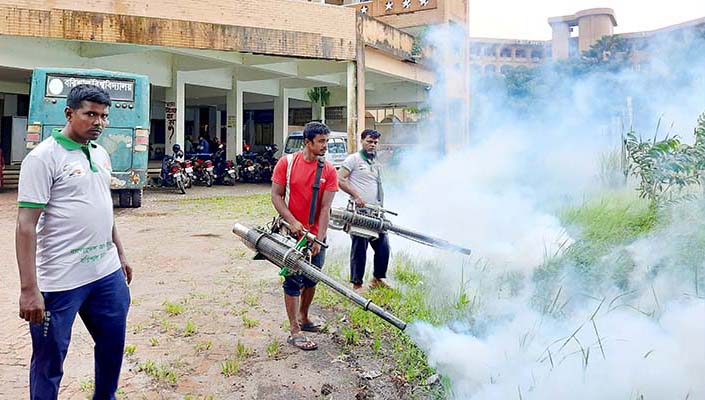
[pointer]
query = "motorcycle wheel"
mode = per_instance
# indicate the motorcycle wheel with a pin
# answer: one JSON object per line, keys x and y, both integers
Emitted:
{"x": 180, "y": 185}
{"x": 189, "y": 182}
{"x": 209, "y": 180}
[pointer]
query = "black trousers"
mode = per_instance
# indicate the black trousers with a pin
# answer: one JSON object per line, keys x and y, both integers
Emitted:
{"x": 358, "y": 257}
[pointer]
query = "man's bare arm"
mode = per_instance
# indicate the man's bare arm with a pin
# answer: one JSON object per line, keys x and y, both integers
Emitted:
{"x": 344, "y": 183}
{"x": 31, "y": 299}
{"x": 126, "y": 268}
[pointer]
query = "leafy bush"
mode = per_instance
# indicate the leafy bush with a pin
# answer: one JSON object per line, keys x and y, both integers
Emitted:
{"x": 667, "y": 168}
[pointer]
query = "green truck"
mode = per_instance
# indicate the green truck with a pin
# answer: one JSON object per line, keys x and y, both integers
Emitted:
{"x": 126, "y": 137}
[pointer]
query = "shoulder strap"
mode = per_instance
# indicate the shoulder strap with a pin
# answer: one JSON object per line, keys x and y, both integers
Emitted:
{"x": 289, "y": 163}
{"x": 316, "y": 188}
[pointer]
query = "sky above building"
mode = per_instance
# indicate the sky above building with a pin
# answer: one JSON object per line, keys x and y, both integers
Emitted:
{"x": 523, "y": 19}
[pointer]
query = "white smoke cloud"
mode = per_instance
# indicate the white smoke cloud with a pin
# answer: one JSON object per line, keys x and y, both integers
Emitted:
{"x": 500, "y": 196}
{"x": 656, "y": 359}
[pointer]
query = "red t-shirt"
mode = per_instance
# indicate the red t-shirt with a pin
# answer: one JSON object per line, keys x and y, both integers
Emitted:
{"x": 303, "y": 173}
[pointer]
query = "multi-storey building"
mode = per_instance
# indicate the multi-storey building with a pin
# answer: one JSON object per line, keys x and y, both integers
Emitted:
{"x": 571, "y": 35}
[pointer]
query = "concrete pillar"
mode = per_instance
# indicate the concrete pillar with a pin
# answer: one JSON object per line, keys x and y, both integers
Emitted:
{"x": 560, "y": 40}
{"x": 175, "y": 112}
{"x": 281, "y": 117}
{"x": 234, "y": 120}
{"x": 352, "y": 105}
{"x": 356, "y": 82}
{"x": 355, "y": 104}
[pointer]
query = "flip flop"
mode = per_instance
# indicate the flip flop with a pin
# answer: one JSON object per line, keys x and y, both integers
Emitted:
{"x": 300, "y": 342}
{"x": 310, "y": 327}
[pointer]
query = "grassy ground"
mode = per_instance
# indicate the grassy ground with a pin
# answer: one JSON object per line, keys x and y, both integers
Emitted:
{"x": 362, "y": 330}
{"x": 602, "y": 226}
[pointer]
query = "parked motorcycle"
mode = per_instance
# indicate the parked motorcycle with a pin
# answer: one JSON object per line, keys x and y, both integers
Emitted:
{"x": 256, "y": 168}
{"x": 249, "y": 170}
{"x": 203, "y": 171}
{"x": 188, "y": 174}
{"x": 172, "y": 174}
{"x": 225, "y": 171}
{"x": 267, "y": 162}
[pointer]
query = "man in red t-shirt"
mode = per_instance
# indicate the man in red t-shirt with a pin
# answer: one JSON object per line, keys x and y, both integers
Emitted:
{"x": 292, "y": 194}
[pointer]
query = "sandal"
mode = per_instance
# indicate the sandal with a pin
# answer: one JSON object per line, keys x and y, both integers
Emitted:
{"x": 310, "y": 327}
{"x": 302, "y": 342}
{"x": 379, "y": 283}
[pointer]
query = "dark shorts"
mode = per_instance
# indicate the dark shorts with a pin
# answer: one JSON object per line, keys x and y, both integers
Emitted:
{"x": 294, "y": 283}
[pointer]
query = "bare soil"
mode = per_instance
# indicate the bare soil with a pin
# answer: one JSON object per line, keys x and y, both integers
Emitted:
{"x": 183, "y": 252}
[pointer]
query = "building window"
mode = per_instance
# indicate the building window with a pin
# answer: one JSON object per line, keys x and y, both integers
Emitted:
{"x": 505, "y": 69}
{"x": 490, "y": 51}
{"x": 536, "y": 55}
{"x": 506, "y": 52}
{"x": 520, "y": 53}
{"x": 490, "y": 69}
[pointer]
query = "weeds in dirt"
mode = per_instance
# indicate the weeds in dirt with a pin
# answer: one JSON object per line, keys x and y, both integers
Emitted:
{"x": 130, "y": 349}
{"x": 230, "y": 367}
{"x": 173, "y": 309}
{"x": 159, "y": 372}
{"x": 203, "y": 346}
{"x": 87, "y": 385}
{"x": 273, "y": 348}
{"x": 377, "y": 344}
{"x": 153, "y": 341}
{"x": 137, "y": 328}
{"x": 190, "y": 329}
{"x": 238, "y": 311}
{"x": 252, "y": 299}
{"x": 198, "y": 295}
{"x": 242, "y": 351}
{"x": 167, "y": 325}
{"x": 249, "y": 323}
{"x": 350, "y": 336}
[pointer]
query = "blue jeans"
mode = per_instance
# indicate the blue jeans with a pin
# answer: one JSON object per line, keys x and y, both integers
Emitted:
{"x": 294, "y": 283}
{"x": 103, "y": 306}
{"x": 358, "y": 257}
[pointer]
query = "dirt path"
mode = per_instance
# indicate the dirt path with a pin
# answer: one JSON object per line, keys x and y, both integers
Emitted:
{"x": 196, "y": 296}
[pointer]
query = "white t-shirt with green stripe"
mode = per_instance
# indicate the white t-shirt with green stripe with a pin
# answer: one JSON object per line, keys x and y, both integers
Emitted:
{"x": 71, "y": 182}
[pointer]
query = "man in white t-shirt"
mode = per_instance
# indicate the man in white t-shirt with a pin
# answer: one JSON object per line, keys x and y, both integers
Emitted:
{"x": 359, "y": 176}
{"x": 69, "y": 254}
